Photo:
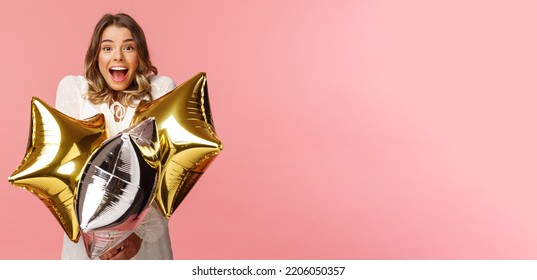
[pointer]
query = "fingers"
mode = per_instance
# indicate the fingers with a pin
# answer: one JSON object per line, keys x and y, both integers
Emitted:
{"x": 121, "y": 255}
{"x": 112, "y": 253}
{"x": 125, "y": 250}
{"x": 124, "y": 253}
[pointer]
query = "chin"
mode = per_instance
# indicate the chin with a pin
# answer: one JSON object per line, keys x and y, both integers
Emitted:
{"x": 117, "y": 87}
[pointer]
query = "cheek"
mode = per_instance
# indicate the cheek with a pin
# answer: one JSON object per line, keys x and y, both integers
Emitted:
{"x": 102, "y": 63}
{"x": 133, "y": 61}
{"x": 100, "y": 58}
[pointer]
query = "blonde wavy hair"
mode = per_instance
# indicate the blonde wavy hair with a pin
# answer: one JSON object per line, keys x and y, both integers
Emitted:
{"x": 140, "y": 88}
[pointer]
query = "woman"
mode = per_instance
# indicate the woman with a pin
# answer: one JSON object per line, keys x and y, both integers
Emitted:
{"x": 118, "y": 74}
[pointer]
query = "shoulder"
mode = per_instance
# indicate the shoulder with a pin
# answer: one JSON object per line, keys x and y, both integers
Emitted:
{"x": 72, "y": 84}
{"x": 76, "y": 80}
{"x": 161, "y": 85}
{"x": 70, "y": 94}
{"x": 161, "y": 81}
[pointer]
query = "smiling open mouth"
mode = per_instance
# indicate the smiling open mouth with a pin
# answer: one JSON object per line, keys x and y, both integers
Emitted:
{"x": 118, "y": 73}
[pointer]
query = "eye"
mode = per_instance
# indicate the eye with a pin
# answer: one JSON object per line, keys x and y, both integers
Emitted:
{"x": 106, "y": 49}
{"x": 129, "y": 48}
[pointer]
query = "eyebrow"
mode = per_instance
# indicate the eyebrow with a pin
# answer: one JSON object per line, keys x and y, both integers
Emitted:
{"x": 111, "y": 41}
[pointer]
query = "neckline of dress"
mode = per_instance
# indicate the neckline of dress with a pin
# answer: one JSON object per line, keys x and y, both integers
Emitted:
{"x": 114, "y": 126}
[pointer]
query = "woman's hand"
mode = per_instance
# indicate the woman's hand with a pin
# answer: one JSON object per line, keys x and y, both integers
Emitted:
{"x": 124, "y": 250}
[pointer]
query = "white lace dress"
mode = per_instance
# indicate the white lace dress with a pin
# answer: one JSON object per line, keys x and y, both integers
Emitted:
{"x": 153, "y": 229}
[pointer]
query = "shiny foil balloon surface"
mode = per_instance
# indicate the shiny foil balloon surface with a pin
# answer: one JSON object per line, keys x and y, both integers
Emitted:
{"x": 58, "y": 149}
{"x": 117, "y": 186}
{"x": 188, "y": 139}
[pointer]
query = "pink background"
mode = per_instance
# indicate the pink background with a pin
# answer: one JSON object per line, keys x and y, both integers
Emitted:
{"x": 352, "y": 129}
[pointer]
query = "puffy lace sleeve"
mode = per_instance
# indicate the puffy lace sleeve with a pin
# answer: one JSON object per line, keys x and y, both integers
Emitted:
{"x": 69, "y": 95}
{"x": 153, "y": 226}
{"x": 160, "y": 85}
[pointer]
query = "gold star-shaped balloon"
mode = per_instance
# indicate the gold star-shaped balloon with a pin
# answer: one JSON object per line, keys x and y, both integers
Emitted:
{"x": 188, "y": 141}
{"x": 58, "y": 148}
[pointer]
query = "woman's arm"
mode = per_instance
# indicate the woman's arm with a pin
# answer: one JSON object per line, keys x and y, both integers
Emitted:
{"x": 160, "y": 85}
{"x": 152, "y": 226}
{"x": 150, "y": 230}
{"x": 69, "y": 97}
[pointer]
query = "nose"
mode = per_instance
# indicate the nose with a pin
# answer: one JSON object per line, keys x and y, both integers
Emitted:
{"x": 118, "y": 55}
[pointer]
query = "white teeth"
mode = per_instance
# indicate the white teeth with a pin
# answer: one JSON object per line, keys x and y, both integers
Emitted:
{"x": 118, "y": 68}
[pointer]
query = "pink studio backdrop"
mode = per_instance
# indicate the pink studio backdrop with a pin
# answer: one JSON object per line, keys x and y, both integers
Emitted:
{"x": 352, "y": 129}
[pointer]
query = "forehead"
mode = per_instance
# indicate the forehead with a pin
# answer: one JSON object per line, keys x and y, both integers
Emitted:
{"x": 116, "y": 34}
